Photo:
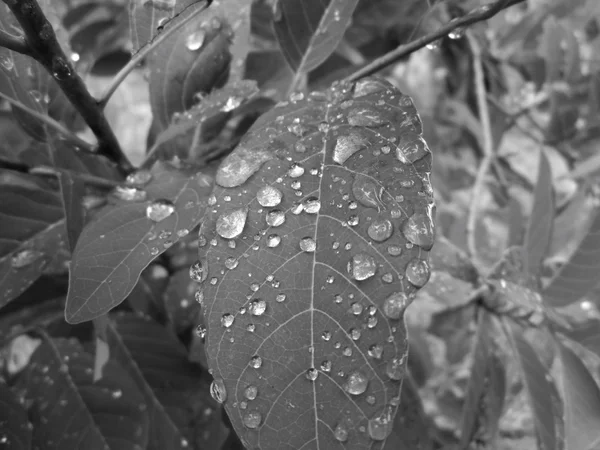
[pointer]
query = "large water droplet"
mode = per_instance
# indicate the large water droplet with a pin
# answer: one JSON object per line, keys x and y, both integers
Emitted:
{"x": 366, "y": 117}
{"x": 258, "y": 307}
{"x": 273, "y": 240}
{"x": 195, "y": 41}
{"x": 227, "y": 320}
{"x": 380, "y": 426}
{"x": 256, "y": 362}
{"x": 25, "y": 258}
{"x": 252, "y": 419}
{"x": 367, "y": 86}
{"x": 411, "y": 148}
{"x": 198, "y": 272}
{"x": 376, "y": 351}
{"x": 356, "y": 383}
{"x": 395, "y": 369}
{"x": 275, "y": 218}
{"x": 218, "y": 390}
{"x": 366, "y": 191}
{"x": 308, "y": 245}
{"x": 418, "y": 229}
{"x": 296, "y": 170}
{"x": 269, "y": 196}
{"x": 240, "y": 165}
{"x": 312, "y": 205}
{"x": 340, "y": 433}
{"x": 362, "y": 266}
{"x": 418, "y": 272}
{"x": 348, "y": 145}
{"x": 326, "y": 366}
{"x": 394, "y": 305}
{"x": 251, "y": 392}
{"x": 380, "y": 230}
{"x": 159, "y": 210}
{"x": 231, "y": 263}
{"x": 231, "y": 224}
{"x": 312, "y": 374}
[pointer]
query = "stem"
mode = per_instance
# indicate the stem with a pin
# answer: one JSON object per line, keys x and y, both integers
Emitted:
{"x": 50, "y": 122}
{"x": 144, "y": 51}
{"x": 47, "y": 51}
{"x": 88, "y": 179}
{"x": 477, "y": 15}
{"x": 14, "y": 43}
{"x": 488, "y": 146}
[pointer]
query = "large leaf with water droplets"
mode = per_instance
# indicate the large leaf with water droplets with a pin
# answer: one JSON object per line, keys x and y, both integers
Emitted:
{"x": 309, "y": 31}
{"x": 124, "y": 238}
{"x": 15, "y": 433}
{"x": 316, "y": 239}
{"x": 32, "y": 231}
{"x": 70, "y": 410}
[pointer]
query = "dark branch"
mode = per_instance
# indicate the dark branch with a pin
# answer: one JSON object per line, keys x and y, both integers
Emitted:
{"x": 45, "y": 48}
{"x": 477, "y": 15}
{"x": 14, "y": 43}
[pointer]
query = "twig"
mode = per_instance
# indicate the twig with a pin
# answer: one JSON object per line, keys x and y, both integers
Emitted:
{"x": 45, "y": 48}
{"x": 88, "y": 179}
{"x": 14, "y": 43}
{"x": 477, "y": 15}
{"x": 143, "y": 52}
{"x": 488, "y": 146}
{"x": 50, "y": 122}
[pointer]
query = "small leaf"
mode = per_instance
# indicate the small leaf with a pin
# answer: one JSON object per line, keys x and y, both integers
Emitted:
{"x": 580, "y": 274}
{"x": 72, "y": 190}
{"x": 309, "y": 31}
{"x": 582, "y": 403}
{"x": 315, "y": 241}
{"x": 108, "y": 410}
{"x": 539, "y": 229}
{"x": 15, "y": 433}
{"x": 123, "y": 239}
{"x": 543, "y": 396}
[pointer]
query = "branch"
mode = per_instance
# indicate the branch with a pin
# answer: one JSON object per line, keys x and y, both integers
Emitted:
{"x": 47, "y": 51}
{"x": 477, "y": 15}
{"x": 14, "y": 43}
{"x": 488, "y": 146}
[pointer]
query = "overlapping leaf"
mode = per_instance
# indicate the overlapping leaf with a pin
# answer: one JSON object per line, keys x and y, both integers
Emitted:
{"x": 309, "y": 31}
{"x": 15, "y": 433}
{"x": 69, "y": 410}
{"x": 315, "y": 241}
{"x": 123, "y": 239}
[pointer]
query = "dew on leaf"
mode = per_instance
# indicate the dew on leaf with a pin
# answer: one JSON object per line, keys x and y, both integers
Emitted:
{"x": 218, "y": 390}
{"x": 231, "y": 263}
{"x": 273, "y": 240}
{"x": 353, "y": 220}
{"x": 395, "y": 369}
{"x": 25, "y": 258}
{"x": 198, "y": 272}
{"x": 257, "y": 307}
{"x": 355, "y": 334}
{"x": 326, "y": 366}
{"x": 6, "y": 62}
{"x": 356, "y": 383}
{"x": 251, "y": 392}
{"x": 252, "y": 419}
{"x": 356, "y": 308}
{"x": 308, "y": 245}
{"x": 366, "y": 117}
{"x": 280, "y": 298}
{"x": 312, "y": 374}
{"x": 275, "y": 218}
{"x": 394, "y": 250}
{"x": 367, "y": 86}
{"x": 380, "y": 230}
{"x": 312, "y": 205}
{"x": 139, "y": 178}
{"x": 387, "y": 277}
{"x": 296, "y": 170}
{"x": 340, "y": 433}
{"x": 372, "y": 322}
{"x": 366, "y": 191}
{"x": 418, "y": 229}
{"x": 418, "y": 272}
{"x": 241, "y": 165}
{"x": 348, "y": 145}
{"x": 256, "y": 362}
{"x": 375, "y": 351}
{"x": 199, "y": 296}
{"x": 232, "y": 103}
{"x": 201, "y": 331}
{"x": 347, "y": 351}
{"x": 296, "y": 97}
{"x": 326, "y": 335}
{"x": 380, "y": 426}
{"x": 411, "y": 148}
{"x": 227, "y": 320}
{"x": 195, "y": 41}
{"x": 269, "y": 196}
{"x": 251, "y": 327}
{"x": 362, "y": 266}
{"x": 231, "y": 224}
{"x": 394, "y": 305}
{"x": 159, "y": 210}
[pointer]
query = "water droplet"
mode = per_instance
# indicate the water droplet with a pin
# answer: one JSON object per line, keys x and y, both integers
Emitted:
{"x": 139, "y": 178}
{"x": 198, "y": 272}
{"x": 366, "y": 191}
{"x": 411, "y": 148}
{"x": 269, "y": 196}
{"x": 387, "y": 277}
{"x": 227, "y": 320}
{"x": 417, "y": 272}
{"x": 25, "y": 258}
{"x": 240, "y": 165}
{"x": 353, "y": 220}
{"x": 250, "y": 327}
{"x": 340, "y": 433}
{"x": 6, "y": 62}
{"x": 218, "y": 390}
{"x": 457, "y": 33}
{"x": 280, "y": 298}
{"x": 256, "y": 362}
{"x": 372, "y": 322}
{"x": 257, "y": 307}
{"x": 231, "y": 263}
{"x": 348, "y": 145}
{"x": 362, "y": 266}
{"x": 394, "y": 305}
{"x": 252, "y": 419}
{"x": 355, "y": 334}
{"x": 273, "y": 240}
{"x": 296, "y": 96}
{"x": 394, "y": 250}
{"x": 308, "y": 245}
{"x": 376, "y": 351}
{"x": 380, "y": 426}
{"x": 356, "y": 383}
{"x": 231, "y": 224}
{"x": 326, "y": 335}
{"x": 326, "y": 366}
{"x": 232, "y": 103}
{"x": 251, "y": 392}
{"x": 275, "y": 218}
{"x": 367, "y": 86}
{"x": 347, "y": 351}
{"x": 61, "y": 68}
{"x": 195, "y": 41}
{"x": 312, "y": 374}
{"x": 380, "y": 230}
{"x": 366, "y": 117}
{"x": 312, "y": 205}
{"x": 159, "y": 210}
{"x": 117, "y": 393}
{"x": 395, "y": 369}
{"x": 296, "y": 170}
{"x": 201, "y": 331}
{"x": 356, "y": 308}
{"x": 183, "y": 232}
{"x": 418, "y": 229}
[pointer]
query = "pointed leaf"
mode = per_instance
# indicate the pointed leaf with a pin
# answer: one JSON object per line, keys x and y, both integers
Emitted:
{"x": 582, "y": 403}
{"x": 15, "y": 433}
{"x": 580, "y": 274}
{"x": 539, "y": 229}
{"x": 120, "y": 242}
{"x": 179, "y": 406}
{"x": 72, "y": 190}
{"x": 316, "y": 239}
{"x": 309, "y": 31}
{"x": 66, "y": 402}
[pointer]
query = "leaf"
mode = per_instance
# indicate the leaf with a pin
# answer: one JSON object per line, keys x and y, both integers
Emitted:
{"x": 119, "y": 243}
{"x": 72, "y": 190}
{"x": 179, "y": 407}
{"x": 447, "y": 257}
{"x": 539, "y": 229}
{"x": 15, "y": 433}
{"x": 543, "y": 396}
{"x": 308, "y": 31}
{"x": 32, "y": 232}
{"x": 192, "y": 61}
{"x": 108, "y": 410}
{"x": 320, "y": 221}
{"x": 582, "y": 403}
{"x": 588, "y": 335}
{"x": 580, "y": 274}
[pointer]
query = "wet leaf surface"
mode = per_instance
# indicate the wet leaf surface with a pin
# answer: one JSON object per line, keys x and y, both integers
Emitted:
{"x": 124, "y": 238}
{"x": 15, "y": 433}
{"x": 65, "y": 400}
{"x": 315, "y": 240}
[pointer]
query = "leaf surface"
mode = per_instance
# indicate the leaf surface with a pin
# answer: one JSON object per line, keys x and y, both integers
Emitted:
{"x": 72, "y": 190}
{"x": 316, "y": 239}
{"x": 15, "y": 433}
{"x": 309, "y": 31}
{"x": 76, "y": 412}
{"x": 121, "y": 241}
